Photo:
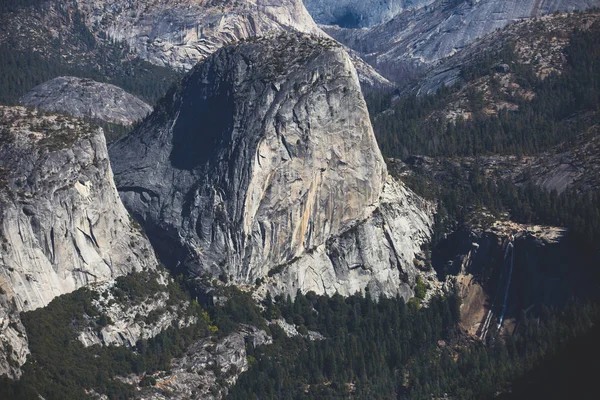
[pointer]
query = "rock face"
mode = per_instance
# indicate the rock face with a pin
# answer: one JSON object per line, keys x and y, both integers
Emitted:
{"x": 180, "y": 33}
{"x": 376, "y": 254}
{"x": 14, "y": 346}
{"x": 547, "y": 269}
{"x": 357, "y": 13}
{"x": 86, "y": 98}
{"x": 420, "y": 37}
{"x": 62, "y": 224}
{"x": 263, "y": 157}
{"x": 539, "y": 43}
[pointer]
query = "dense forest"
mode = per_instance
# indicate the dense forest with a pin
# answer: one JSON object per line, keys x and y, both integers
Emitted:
{"x": 15, "y": 5}
{"x": 372, "y": 349}
{"x": 559, "y": 111}
{"x": 564, "y": 107}
{"x": 25, "y": 70}
{"x": 462, "y": 192}
{"x": 389, "y": 349}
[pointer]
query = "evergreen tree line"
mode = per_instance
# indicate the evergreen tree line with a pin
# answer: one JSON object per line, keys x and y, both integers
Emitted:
{"x": 23, "y": 70}
{"x": 368, "y": 347}
{"x": 481, "y": 370}
{"x": 14, "y": 5}
{"x": 389, "y": 350}
{"x": 550, "y": 118}
{"x": 462, "y": 192}
{"x": 103, "y": 61}
{"x": 372, "y": 349}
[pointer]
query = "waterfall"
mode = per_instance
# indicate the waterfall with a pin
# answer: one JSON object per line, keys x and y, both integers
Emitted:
{"x": 490, "y": 314}
{"x": 512, "y": 262}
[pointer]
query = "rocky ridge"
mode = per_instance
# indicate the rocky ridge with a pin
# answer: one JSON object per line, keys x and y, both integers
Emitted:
{"x": 174, "y": 33}
{"x": 417, "y": 39}
{"x": 561, "y": 168}
{"x": 280, "y": 116}
{"x": 86, "y": 98}
{"x": 575, "y": 166}
{"x": 179, "y": 33}
{"x": 539, "y": 43}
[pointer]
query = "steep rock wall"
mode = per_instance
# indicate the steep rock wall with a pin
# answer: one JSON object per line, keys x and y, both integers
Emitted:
{"x": 179, "y": 33}
{"x": 172, "y": 33}
{"x": 62, "y": 224}
{"x": 264, "y": 155}
{"x": 376, "y": 254}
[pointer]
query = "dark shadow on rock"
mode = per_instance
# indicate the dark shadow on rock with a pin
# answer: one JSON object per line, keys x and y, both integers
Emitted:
{"x": 348, "y": 20}
{"x": 204, "y": 124}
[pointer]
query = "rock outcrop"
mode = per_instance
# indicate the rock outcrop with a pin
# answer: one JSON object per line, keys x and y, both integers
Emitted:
{"x": 359, "y": 13}
{"x": 264, "y": 164}
{"x": 418, "y": 38}
{"x": 86, "y": 98}
{"x": 62, "y": 223}
{"x": 131, "y": 319}
{"x": 179, "y": 33}
{"x": 208, "y": 369}
{"x": 540, "y": 43}
{"x": 546, "y": 269}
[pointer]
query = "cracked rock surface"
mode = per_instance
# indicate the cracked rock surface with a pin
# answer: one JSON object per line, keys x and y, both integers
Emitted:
{"x": 14, "y": 346}
{"x": 62, "y": 224}
{"x": 171, "y": 33}
{"x": 262, "y": 160}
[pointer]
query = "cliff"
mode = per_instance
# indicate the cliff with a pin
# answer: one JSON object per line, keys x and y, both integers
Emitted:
{"x": 264, "y": 165}
{"x": 415, "y": 39}
{"x": 63, "y": 224}
{"x": 179, "y": 33}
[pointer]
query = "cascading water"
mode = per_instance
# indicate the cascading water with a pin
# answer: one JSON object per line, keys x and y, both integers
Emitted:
{"x": 512, "y": 262}
{"x": 488, "y": 319}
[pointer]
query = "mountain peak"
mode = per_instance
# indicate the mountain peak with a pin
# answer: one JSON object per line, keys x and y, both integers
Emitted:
{"x": 271, "y": 155}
